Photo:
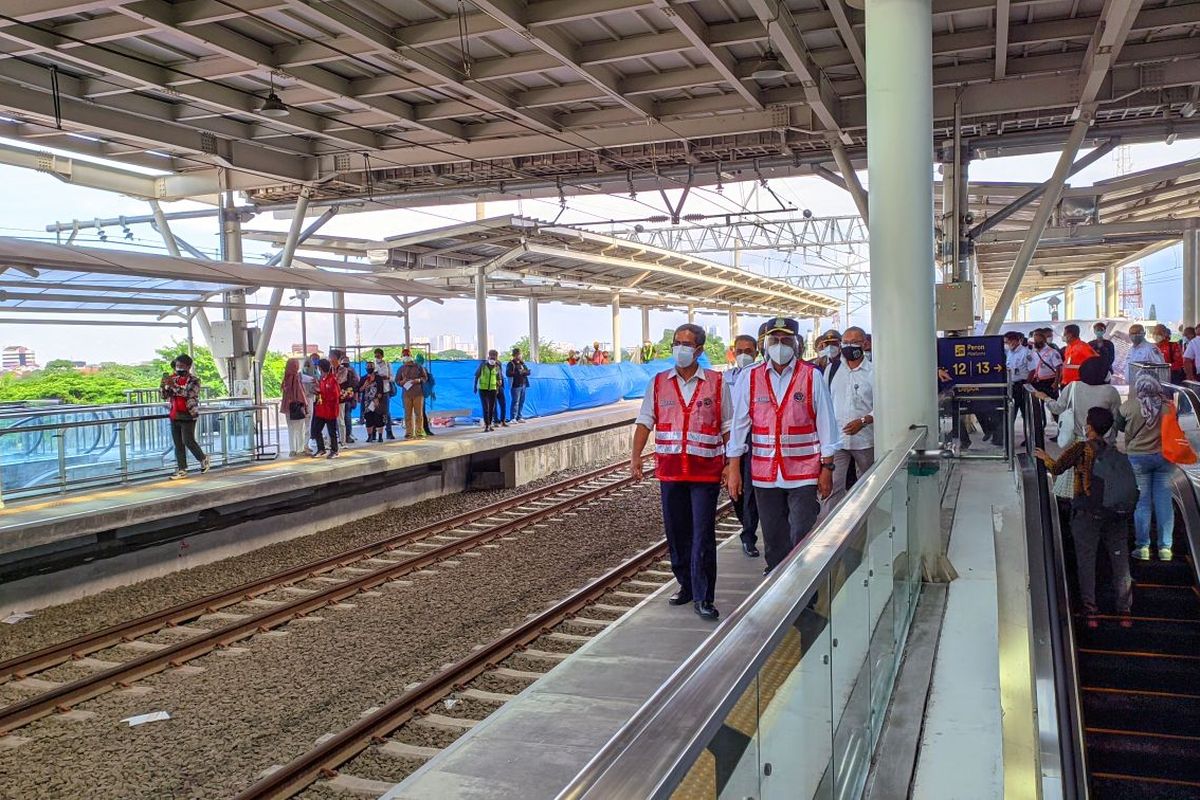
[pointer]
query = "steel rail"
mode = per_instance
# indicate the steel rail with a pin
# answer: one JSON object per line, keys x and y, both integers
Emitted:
{"x": 63, "y": 697}
{"x": 56, "y": 654}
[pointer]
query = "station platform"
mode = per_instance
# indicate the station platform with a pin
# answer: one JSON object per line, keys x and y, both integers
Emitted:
{"x": 245, "y": 507}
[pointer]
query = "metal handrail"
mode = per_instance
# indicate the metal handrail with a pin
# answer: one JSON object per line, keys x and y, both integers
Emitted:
{"x": 113, "y": 420}
{"x": 653, "y": 751}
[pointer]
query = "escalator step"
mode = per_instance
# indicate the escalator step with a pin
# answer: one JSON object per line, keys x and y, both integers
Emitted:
{"x": 1170, "y": 637}
{"x": 1168, "y": 758}
{"x": 1172, "y": 573}
{"x": 1142, "y": 712}
{"x": 1120, "y": 787}
{"x": 1146, "y": 673}
{"x": 1170, "y": 602}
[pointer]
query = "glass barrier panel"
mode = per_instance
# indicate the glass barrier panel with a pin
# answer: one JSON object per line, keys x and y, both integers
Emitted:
{"x": 729, "y": 767}
{"x": 849, "y": 621}
{"x": 882, "y": 593}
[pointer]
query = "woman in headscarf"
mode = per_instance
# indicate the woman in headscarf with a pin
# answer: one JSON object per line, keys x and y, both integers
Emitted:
{"x": 1141, "y": 418}
{"x": 293, "y": 405}
{"x": 1090, "y": 391}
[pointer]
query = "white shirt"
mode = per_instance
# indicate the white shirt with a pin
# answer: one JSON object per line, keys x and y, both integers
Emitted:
{"x": 853, "y": 392}
{"x": 687, "y": 387}
{"x": 385, "y": 371}
{"x": 1046, "y": 363}
{"x": 1020, "y": 363}
{"x": 1146, "y": 353}
{"x": 1192, "y": 351}
{"x": 828, "y": 432}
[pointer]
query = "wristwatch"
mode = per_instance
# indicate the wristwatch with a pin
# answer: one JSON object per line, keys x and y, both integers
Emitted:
{"x": 826, "y": 465}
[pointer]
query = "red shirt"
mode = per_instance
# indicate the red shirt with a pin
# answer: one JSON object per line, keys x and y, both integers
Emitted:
{"x": 1075, "y": 354}
{"x": 1172, "y": 353}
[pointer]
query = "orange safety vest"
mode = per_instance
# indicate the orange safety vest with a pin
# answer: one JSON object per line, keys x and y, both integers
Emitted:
{"x": 687, "y": 436}
{"x": 783, "y": 436}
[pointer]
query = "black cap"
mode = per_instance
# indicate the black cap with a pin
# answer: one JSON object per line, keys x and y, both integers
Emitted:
{"x": 779, "y": 325}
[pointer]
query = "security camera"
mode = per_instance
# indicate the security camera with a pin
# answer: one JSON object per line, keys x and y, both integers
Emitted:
{"x": 807, "y": 214}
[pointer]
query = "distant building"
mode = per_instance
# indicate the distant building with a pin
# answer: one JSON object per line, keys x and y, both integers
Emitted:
{"x": 17, "y": 358}
{"x": 298, "y": 350}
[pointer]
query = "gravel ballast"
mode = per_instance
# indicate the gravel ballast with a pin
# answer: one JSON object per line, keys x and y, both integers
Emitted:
{"x": 264, "y": 705}
{"x": 59, "y": 623}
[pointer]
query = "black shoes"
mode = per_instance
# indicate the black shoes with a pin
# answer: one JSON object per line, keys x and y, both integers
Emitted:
{"x": 750, "y": 550}
{"x": 391, "y": 435}
{"x": 707, "y": 610}
{"x": 680, "y": 598}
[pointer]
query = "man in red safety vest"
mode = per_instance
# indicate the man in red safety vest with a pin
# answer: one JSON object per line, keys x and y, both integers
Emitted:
{"x": 785, "y": 407}
{"x": 688, "y": 409}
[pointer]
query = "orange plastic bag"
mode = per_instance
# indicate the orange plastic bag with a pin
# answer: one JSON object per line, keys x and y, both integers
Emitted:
{"x": 1176, "y": 447}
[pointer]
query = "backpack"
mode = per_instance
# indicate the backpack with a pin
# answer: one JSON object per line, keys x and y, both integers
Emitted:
{"x": 1118, "y": 489}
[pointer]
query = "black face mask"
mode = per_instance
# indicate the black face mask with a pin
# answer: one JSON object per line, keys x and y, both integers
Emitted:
{"x": 181, "y": 372}
{"x": 852, "y": 352}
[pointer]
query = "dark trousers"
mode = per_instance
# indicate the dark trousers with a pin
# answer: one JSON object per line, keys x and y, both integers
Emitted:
{"x": 690, "y": 518}
{"x": 319, "y": 426}
{"x": 488, "y": 397}
{"x": 183, "y": 434}
{"x": 1046, "y": 387}
{"x": 1019, "y": 394}
{"x": 1092, "y": 532}
{"x": 787, "y": 516}
{"x": 747, "y": 507}
{"x": 501, "y": 412}
{"x": 425, "y": 418}
{"x": 348, "y": 411}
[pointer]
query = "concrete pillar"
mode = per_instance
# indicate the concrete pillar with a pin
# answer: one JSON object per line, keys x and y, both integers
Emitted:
{"x": 1112, "y": 278}
{"x": 407, "y": 322}
{"x": 339, "y": 320}
{"x": 534, "y": 337}
{"x": 1015, "y": 313}
{"x": 1099, "y": 287}
{"x": 1069, "y": 302}
{"x": 733, "y": 326}
{"x": 1191, "y": 275}
{"x": 899, "y": 57}
{"x": 691, "y": 313}
{"x": 481, "y": 311}
{"x": 646, "y": 324}
{"x": 616, "y": 329}
{"x": 235, "y": 311}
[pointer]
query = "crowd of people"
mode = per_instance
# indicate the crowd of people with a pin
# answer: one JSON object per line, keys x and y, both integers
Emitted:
{"x": 785, "y": 436}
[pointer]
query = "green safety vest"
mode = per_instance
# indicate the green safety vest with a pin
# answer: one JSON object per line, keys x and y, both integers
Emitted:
{"x": 489, "y": 378}
{"x": 647, "y": 352}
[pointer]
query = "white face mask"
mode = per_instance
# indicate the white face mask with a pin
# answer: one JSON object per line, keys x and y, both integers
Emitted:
{"x": 831, "y": 351}
{"x": 684, "y": 355}
{"x": 781, "y": 354}
{"x": 743, "y": 359}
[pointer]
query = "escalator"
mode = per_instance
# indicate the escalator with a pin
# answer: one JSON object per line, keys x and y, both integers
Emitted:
{"x": 1126, "y": 700}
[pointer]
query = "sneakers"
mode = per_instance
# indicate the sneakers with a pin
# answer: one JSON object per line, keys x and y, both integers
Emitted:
{"x": 1092, "y": 622}
{"x": 332, "y": 455}
{"x": 318, "y": 454}
{"x": 1164, "y": 554}
{"x": 178, "y": 474}
{"x": 1126, "y": 622}
{"x": 390, "y": 436}
{"x": 1141, "y": 553}
{"x": 487, "y": 429}
{"x": 206, "y": 464}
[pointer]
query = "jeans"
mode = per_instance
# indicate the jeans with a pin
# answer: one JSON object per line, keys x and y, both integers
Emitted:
{"x": 1153, "y": 474}
{"x": 1092, "y": 532}
{"x": 488, "y": 398}
{"x": 347, "y": 421}
{"x": 319, "y": 426}
{"x": 690, "y": 518}
{"x": 787, "y": 517}
{"x": 183, "y": 434}
{"x": 518, "y": 401}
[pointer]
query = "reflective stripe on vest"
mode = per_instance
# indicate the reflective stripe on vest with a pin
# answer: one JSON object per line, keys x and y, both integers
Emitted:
{"x": 687, "y": 437}
{"x": 783, "y": 431}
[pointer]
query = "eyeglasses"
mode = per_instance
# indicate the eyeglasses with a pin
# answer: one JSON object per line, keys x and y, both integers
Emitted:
{"x": 785, "y": 339}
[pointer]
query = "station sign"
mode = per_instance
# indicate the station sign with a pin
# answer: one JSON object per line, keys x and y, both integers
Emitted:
{"x": 972, "y": 360}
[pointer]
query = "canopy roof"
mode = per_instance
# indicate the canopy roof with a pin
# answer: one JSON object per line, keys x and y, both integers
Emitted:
{"x": 525, "y": 258}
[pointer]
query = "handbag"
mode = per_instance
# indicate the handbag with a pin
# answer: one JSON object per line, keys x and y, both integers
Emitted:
{"x": 296, "y": 410}
{"x": 1066, "y": 420}
{"x": 1064, "y": 485}
{"x": 1175, "y": 445}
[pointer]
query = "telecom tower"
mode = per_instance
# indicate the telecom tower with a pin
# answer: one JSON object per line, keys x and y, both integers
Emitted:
{"x": 1130, "y": 279}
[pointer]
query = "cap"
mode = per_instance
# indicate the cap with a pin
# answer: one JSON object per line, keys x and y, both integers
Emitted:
{"x": 779, "y": 325}
{"x": 830, "y": 335}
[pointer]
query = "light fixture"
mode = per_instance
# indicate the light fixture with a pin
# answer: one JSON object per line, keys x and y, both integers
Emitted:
{"x": 768, "y": 68}
{"x": 1188, "y": 111}
{"x": 273, "y": 106}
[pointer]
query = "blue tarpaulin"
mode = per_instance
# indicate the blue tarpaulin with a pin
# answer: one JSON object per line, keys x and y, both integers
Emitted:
{"x": 553, "y": 388}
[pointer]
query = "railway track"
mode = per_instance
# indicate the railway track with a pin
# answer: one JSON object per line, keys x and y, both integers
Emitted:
{"x": 383, "y": 730}
{"x": 338, "y": 578}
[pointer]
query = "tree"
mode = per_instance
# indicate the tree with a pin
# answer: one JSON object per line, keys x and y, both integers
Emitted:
{"x": 59, "y": 365}
{"x": 547, "y": 353}
{"x": 714, "y": 346}
{"x": 453, "y": 355}
{"x": 204, "y": 365}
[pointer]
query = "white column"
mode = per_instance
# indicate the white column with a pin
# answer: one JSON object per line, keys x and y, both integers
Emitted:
{"x": 616, "y": 328}
{"x": 1191, "y": 275}
{"x": 481, "y": 311}
{"x": 646, "y": 324}
{"x": 339, "y": 320}
{"x": 691, "y": 313}
{"x": 899, "y": 56}
{"x": 534, "y": 338}
{"x": 733, "y": 326}
{"x": 1112, "y": 277}
{"x": 407, "y": 321}
{"x": 1069, "y": 303}
{"x": 235, "y": 311}
{"x": 1099, "y": 287}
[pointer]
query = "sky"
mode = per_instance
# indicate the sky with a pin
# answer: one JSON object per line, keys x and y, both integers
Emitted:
{"x": 34, "y": 200}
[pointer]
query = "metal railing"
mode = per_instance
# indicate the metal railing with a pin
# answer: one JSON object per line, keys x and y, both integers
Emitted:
{"x": 790, "y": 693}
{"x": 68, "y": 448}
{"x": 990, "y": 404}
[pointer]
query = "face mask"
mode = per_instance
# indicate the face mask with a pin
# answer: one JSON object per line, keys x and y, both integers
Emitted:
{"x": 370, "y": 370}
{"x": 1158, "y": 337}
{"x": 1137, "y": 338}
{"x": 743, "y": 359}
{"x": 491, "y": 362}
{"x": 852, "y": 352}
{"x": 781, "y": 354}
{"x": 408, "y": 361}
{"x": 181, "y": 371}
{"x": 684, "y": 355}
{"x": 831, "y": 351}
{"x": 1099, "y": 333}
{"x": 1038, "y": 344}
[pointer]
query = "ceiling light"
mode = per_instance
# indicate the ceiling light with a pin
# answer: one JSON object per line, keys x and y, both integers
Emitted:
{"x": 768, "y": 68}
{"x": 1188, "y": 111}
{"x": 273, "y": 106}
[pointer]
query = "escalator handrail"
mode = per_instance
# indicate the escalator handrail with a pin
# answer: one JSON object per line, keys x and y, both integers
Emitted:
{"x": 1060, "y": 714}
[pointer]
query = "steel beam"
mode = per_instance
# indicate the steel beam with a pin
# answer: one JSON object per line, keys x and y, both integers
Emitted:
{"x": 699, "y": 35}
{"x": 1001, "y": 59}
{"x": 853, "y": 184}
